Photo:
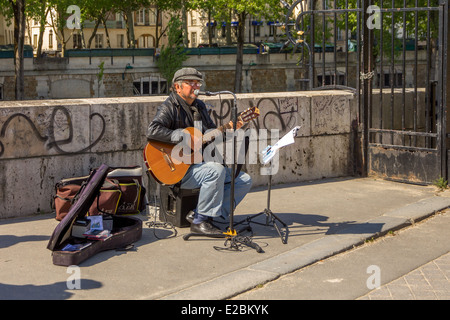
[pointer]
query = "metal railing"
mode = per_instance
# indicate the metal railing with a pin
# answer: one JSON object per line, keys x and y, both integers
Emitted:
{"x": 391, "y": 54}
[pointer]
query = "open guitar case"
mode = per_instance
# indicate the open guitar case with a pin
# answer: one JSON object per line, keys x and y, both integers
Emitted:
{"x": 125, "y": 231}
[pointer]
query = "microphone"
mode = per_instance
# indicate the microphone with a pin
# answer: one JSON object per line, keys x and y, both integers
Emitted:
{"x": 197, "y": 92}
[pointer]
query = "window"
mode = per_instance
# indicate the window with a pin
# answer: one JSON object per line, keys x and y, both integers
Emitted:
{"x": 77, "y": 41}
{"x": 272, "y": 30}
{"x": 194, "y": 39}
{"x": 121, "y": 41}
{"x": 142, "y": 17}
{"x": 35, "y": 40}
{"x": 224, "y": 31}
{"x": 1, "y": 92}
{"x": 99, "y": 41}
{"x": 339, "y": 35}
{"x": 50, "y": 39}
{"x": 150, "y": 86}
{"x": 257, "y": 30}
{"x": 330, "y": 79}
{"x": 386, "y": 80}
{"x": 152, "y": 17}
{"x": 145, "y": 41}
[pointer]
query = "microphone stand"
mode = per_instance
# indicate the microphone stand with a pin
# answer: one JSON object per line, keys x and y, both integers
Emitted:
{"x": 231, "y": 234}
{"x": 231, "y": 230}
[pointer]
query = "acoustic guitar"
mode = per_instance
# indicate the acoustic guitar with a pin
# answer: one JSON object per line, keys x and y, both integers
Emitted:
{"x": 168, "y": 163}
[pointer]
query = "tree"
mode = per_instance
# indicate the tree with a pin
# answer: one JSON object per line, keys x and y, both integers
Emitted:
{"x": 15, "y": 9}
{"x": 164, "y": 6}
{"x": 174, "y": 54}
{"x": 390, "y": 26}
{"x": 221, "y": 9}
{"x": 127, "y": 7}
{"x": 38, "y": 10}
{"x": 59, "y": 15}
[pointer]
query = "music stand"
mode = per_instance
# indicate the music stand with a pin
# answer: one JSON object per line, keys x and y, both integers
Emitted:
{"x": 271, "y": 218}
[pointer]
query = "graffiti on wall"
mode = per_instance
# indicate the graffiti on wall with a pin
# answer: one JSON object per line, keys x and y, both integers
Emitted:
{"x": 59, "y": 129}
{"x": 278, "y": 114}
{"x": 59, "y": 120}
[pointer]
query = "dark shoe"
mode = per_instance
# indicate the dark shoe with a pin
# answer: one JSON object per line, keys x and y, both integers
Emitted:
{"x": 190, "y": 216}
{"x": 205, "y": 228}
{"x": 211, "y": 221}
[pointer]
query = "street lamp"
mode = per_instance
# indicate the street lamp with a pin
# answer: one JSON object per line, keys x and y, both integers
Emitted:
{"x": 127, "y": 67}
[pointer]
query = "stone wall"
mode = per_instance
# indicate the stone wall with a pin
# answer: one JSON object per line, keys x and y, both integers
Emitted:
{"x": 44, "y": 141}
{"x": 77, "y": 77}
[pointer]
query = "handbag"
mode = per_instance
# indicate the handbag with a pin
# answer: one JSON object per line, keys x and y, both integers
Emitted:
{"x": 121, "y": 193}
{"x": 64, "y": 197}
{"x": 133, "y": 192}
{"x": 107, "y": 200}
{"x": 67, "y": 190}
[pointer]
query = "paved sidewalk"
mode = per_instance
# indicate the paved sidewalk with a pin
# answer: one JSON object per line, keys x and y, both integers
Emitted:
{"x": 409, "y": 264}
{"x": 429, "y": 282}
{"x": 324, "y": 217}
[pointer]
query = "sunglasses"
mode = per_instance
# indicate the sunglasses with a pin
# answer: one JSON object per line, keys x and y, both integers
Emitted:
{"x": 193, "y": 83}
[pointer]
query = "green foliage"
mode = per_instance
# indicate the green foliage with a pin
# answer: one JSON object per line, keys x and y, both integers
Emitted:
{"x": 173, "y": 55}
{"x": 395, "y": 24}
{"x": 101, "y": 71}
{"x": 441, "y": 184}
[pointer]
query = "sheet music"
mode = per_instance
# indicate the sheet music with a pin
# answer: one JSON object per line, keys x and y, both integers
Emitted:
{"x": 269, "y": 152}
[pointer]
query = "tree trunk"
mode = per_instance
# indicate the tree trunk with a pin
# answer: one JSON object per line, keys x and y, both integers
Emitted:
{"x": 83, "y": 41}
{"x": 97, "y": 23}
{"x": 40, "y": 40}
{"x": 42, "y": 24}
{"x": 130, "y": 28}
{"x": 209, "y": 28}
{"x": 19, "y": 38}
{"x": 185, "y": 24}
{"x": 108, "y": 41}
{"x": 229, "y": 41}
{"x": 157, "y": 28}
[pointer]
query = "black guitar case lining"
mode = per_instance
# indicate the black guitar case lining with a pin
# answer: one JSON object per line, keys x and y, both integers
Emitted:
{"x": 126, "y": 230}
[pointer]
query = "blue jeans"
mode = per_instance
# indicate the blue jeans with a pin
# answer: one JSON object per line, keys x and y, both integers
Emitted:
{"x": 214, "y": 179}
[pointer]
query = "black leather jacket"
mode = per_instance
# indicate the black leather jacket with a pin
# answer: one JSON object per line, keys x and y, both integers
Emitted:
{"x": 173, "y": 114}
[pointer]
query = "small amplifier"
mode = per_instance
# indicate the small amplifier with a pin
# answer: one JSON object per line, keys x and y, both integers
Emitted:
{"x": 176, "y": 206}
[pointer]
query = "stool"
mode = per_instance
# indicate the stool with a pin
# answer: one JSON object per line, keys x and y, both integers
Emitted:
{"x": 176, "y": 204}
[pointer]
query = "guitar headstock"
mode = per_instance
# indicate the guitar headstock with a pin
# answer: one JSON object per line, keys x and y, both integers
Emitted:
{"x": 249, "y": 114}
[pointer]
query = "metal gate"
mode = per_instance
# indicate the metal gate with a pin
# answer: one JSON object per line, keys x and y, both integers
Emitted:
{"x": 393, "y": 55}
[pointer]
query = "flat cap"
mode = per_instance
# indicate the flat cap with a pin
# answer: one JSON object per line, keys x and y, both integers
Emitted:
{"x": 187, "y": 74}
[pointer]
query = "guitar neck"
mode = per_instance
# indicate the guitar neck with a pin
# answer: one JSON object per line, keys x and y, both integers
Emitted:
{"x": 210, "y": 135}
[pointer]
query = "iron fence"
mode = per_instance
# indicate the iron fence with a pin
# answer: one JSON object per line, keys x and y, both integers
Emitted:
{"x": 393, "y": 55}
